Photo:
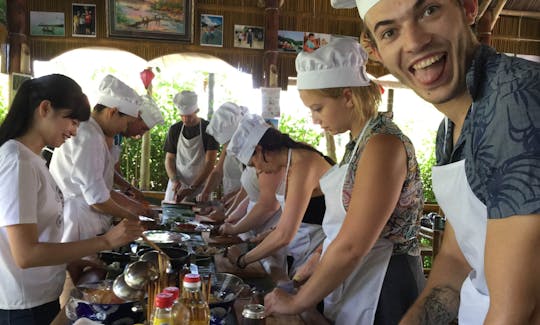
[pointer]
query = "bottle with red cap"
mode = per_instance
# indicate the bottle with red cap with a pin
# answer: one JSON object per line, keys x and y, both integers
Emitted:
{"x": 163, "y": 313}
{"x": 192, "y": 300}
{"x": 179, "y": 311}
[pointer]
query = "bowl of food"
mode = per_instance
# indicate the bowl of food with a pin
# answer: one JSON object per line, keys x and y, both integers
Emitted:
{"x": 97, "y": 302}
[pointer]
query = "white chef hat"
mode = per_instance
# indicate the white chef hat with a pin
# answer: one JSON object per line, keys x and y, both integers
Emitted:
{"x": 246, "y": 137}
{"x": 225, "y": 121}
{"x": 186, "y": 102}
{"x": 115, "y": 93}
{"x": 150, "y": 112}
{"x": 341, "y": 63}
{"x": 362, "y": 5}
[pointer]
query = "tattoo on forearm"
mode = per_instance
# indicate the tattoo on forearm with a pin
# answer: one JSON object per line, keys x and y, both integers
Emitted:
{"x": 440, "y": 306}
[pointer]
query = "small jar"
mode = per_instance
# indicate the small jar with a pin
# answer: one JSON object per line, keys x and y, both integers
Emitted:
{"x": 253, "y": 314}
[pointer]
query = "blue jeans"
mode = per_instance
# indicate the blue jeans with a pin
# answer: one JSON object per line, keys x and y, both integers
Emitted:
{"x": 39, "y": 315}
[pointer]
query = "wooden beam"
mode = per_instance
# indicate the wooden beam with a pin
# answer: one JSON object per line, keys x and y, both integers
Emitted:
{"x": 521, "y": 13}
{"x": 496, "y": 12}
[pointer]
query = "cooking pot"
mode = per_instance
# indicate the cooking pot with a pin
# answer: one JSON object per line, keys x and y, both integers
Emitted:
{"x": 97, "y": 302}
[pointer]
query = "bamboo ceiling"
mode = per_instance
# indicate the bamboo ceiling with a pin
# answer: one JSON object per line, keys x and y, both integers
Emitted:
{"x": 514, "y": 31}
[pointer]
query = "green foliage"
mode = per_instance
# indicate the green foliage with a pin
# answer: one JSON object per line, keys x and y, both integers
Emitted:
{"x": 300, "y": 130}
{"x": 426, "y": 160}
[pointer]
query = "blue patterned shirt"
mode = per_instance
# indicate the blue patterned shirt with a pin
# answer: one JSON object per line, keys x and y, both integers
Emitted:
{"x": 500, "y": 138}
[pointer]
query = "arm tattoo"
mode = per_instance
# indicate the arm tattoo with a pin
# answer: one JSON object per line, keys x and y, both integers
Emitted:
{"x": 440, "y": 306}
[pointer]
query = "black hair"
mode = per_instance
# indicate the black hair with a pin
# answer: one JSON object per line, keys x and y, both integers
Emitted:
{"x": 63, "y": 93}
{"x": 273, "y": 140}
{"x": 100, "y": 107}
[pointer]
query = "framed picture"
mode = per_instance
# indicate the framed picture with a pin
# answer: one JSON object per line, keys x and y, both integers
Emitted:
{"x": 17, "y": 80}
{"x": 83, "y": 18}
{"x": 164, "y": 20}
{"x": 290, "y": 41}
{"x": 251, "y": 37}
{"x": 44, "y": 23}
{"x": 211, "y": 30}
{"x": 313, "y": 41}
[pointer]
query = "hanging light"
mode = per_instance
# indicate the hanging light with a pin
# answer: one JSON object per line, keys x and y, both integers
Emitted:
{"x": 147, "y": 76}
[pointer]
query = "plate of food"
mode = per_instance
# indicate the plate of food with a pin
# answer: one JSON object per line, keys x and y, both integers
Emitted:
{"x": 190, "y": 227}
{"x": 165, "y": 237}
{"x": 206, "y": 250}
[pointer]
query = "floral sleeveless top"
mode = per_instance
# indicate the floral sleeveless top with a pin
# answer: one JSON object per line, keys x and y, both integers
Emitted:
{"x": 404, "y": 223}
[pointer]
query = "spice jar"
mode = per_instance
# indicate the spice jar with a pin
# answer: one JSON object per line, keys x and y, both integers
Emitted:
{"x": 253, "y": 314}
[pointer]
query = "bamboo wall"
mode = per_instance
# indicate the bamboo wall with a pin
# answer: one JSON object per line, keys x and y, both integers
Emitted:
{"x": 296, "y": 15}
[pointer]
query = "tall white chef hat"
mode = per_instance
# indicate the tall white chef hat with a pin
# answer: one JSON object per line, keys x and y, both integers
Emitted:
{"x": 115, "y": 93}
{"x": 150, "y": 112}
{"x": 362, "y": 5}
{"x": 225, "y": 121}
{"x": 341, "y": 63}
{"x": 246, "y": 137}
{"x": 186, "y": 102}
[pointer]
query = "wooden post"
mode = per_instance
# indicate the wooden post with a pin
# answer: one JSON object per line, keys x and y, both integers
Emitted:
{"x": 270, "y": 76}
{"x": 18, "y": 59}
{"x": 144, "y": 182}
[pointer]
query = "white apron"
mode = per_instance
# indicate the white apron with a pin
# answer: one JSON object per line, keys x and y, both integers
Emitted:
{"x": 232, "y": 171}
{"x": 468, "y": 216}
{"x": 250, "y": 183}
{"x": 355, "y": 300}
{"x": 307, "y": 238}
{"x": 190, "y": 160}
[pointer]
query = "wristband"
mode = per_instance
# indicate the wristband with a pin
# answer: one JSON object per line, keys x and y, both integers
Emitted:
{"x": 239, "y": 263}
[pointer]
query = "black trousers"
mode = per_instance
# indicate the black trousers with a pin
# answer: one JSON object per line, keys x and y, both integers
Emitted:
{"x": 39, "y": 315}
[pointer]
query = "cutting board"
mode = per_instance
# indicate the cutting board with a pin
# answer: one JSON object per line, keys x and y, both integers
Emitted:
{"x": 253, "y": 270}
{"x": 220, "y": 240}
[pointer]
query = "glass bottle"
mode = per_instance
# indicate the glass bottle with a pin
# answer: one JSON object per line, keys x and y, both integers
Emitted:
{"x": 192, "y": 299}
{"x": 179, "y": 311}
{"x": 163, "y": 312}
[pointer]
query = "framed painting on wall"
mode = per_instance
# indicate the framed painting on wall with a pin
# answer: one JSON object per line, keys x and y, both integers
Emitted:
{"x": 83, "y": 20}
{"x": 251, "y": 37}
{"x": 164, "y": 20}
{"x": 211, "y": 30}
{"x": 45, "y": 23}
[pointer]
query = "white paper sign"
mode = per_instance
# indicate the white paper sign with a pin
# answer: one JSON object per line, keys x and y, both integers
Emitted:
{"x": 270, "y": 102}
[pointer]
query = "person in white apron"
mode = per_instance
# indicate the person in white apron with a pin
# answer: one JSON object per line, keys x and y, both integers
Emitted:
{"x": 190, "y": 153}
{"x": 370, "y": 271}
{"x": 228, "y": 170}
{"x": 260, "y": 215}
{"x": 83, "y": 167}
{"x": 486, "y": 180}
{"x": 149, "y": 117}
{"x": 269, "y": 151}
{"x": 45, "y": 112}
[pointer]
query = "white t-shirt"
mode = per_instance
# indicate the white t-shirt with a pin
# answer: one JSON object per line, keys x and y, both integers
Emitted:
{"x": 28, "y": 194}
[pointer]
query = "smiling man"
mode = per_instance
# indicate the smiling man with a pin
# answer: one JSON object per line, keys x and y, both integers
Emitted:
{"x": 488, "y": 153}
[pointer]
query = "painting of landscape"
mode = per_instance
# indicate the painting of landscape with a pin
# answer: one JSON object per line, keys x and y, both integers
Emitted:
{"x": 157, "y": 19}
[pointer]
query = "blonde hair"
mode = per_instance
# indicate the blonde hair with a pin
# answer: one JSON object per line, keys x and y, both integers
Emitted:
{"x": 366, "y": 99}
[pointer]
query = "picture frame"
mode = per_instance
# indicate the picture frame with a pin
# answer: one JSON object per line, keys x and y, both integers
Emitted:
{"x": 290, "y": 41}
{"x": 16, "y": 81}
{"x": 83, "y": 20}
{"x": 250, "y": 37}
{"x": 47, "y": 23}
{"x": 314, "y": 41}
{"x": 211, "y": 30}
{"x": 163, "y": 20}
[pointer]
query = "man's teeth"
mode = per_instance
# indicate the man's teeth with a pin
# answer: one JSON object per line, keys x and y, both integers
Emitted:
{"x": 426, "y": 63}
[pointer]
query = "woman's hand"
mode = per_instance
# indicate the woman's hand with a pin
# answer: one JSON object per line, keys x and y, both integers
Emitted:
{"x": 260, "y": 237}
{"x": 233, "y": 252}
{"x": 280, "y": 302}
{"x": 226, "y": 229}
{"x": 123, "y": 233}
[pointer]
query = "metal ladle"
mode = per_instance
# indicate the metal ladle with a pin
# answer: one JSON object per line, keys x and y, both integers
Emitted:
{"x": 137, "y": 274}
{"x": 122, "y": 290}
{"x": 152, "y": 257}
